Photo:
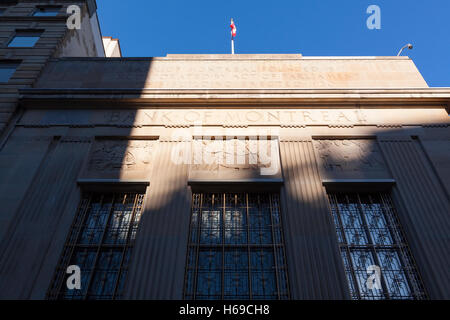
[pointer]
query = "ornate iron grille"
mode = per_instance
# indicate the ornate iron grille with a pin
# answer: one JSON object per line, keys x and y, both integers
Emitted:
{"x": 100, "y": 243}
{"x": 369, "y": 234}
{"x": 236, "y": 248}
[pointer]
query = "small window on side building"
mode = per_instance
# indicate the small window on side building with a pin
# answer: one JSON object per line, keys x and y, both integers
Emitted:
{"x": 7, "y": 69}
{"x": 46, "y": 11}
{"x": 25, "y": 39}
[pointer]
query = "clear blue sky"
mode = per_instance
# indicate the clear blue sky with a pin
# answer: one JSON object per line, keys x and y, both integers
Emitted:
{"x": 148, "y": 28}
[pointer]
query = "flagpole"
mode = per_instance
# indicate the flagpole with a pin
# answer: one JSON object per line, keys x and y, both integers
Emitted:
{"x": 232, "y": 45}
{"x": 233, "y": 33}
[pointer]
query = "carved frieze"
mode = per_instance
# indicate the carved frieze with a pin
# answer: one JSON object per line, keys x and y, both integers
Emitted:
{"x": 350, "y": 158}
{"x": 119, "y": 158}
{"x": 235, "y": 160}
{"x": 349, "y": 155}
{"x": 114, "y": 155}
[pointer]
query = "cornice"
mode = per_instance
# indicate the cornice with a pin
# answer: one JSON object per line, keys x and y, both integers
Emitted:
{"x": 340, "y": 98}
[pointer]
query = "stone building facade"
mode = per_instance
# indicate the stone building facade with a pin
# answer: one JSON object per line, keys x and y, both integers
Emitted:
{"x": 226, "y": 176}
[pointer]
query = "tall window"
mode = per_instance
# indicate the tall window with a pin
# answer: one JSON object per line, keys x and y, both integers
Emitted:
{"x": 25, "y": 39}
{"x": 100, "y": 243}
{"x": 370, "y": 237}
{"x": 236, "y": 248}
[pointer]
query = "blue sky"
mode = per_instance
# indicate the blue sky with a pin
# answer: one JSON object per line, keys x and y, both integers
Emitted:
{"x": 148, "y": 28}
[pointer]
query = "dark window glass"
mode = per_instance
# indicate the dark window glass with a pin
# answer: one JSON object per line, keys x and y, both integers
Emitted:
{"x": 100, "y": 243}
{"x": 46, "y": 11}
{"x": 2, "y": 11}
{"x": 7, "y": 69}
{"x": 25, "y": 39}
{"x": 236, "y": 248}
{"x": 370, "y": 237}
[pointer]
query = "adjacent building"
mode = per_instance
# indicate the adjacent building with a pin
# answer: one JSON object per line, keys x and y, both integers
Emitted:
{"x": 215, "y": 176}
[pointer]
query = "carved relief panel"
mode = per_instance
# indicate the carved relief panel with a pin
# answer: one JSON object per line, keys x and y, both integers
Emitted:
{"x": 119, "y": 159}
{"x": 350, "y": 159}
{"x": 235, "y": 160}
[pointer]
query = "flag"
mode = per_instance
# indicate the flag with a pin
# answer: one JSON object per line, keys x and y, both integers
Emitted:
{"x": 233, "y": 28}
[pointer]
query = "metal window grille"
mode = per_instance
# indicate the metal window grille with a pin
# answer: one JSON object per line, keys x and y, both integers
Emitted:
{"x": 100, "y": 243}
{"x": 236, "y": 248}
{"x": 369, "y": 234}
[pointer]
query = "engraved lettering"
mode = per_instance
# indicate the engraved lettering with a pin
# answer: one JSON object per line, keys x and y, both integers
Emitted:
{"x": 342, "y": 116}
{"x": 253, "y": 116}
{"x": 273, "y": 115}
{"x": 307, "y": 115}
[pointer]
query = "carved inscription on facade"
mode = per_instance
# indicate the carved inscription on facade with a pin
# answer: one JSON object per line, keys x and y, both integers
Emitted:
{"x": 227, "y": 117}
{"x": 260, "y": 73}
{"x": 119, "y": 155}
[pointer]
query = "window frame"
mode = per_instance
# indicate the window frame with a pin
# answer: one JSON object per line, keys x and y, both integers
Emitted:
{"x": 3, "y": 63}
{"x": 56, "y": 289}
{"x": 44, "y": 7}
{"x": 279, "y": 272}
{"x": 22, "y": 33}
{"x": 399, "y": 245}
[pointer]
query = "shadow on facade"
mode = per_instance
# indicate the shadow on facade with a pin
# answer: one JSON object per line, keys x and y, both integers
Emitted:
{"x": 398, "y": 162}
{"x": 41, "y": 212}
{"x": 57, "y": 151}
{"x": 407, "y": 163}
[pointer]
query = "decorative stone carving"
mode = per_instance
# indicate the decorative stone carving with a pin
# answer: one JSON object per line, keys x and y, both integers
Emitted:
{"x": 119, "y": 155}
{"x": 349, "y": 155}
{"x": 235, "y": 159}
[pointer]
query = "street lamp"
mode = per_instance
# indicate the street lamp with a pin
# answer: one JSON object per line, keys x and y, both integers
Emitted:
{"x": 409, "y": 46}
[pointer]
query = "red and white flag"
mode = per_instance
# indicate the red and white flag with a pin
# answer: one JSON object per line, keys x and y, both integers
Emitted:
{"x": 233, "y": 29}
